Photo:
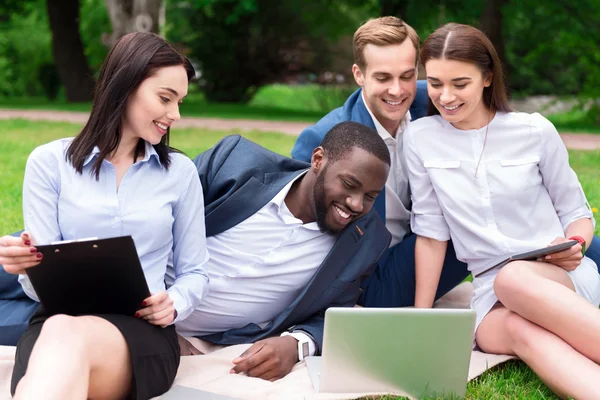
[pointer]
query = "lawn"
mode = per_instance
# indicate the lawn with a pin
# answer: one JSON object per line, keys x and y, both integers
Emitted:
{"x": 278, "y": 102}
{"x": 18, "y": 138}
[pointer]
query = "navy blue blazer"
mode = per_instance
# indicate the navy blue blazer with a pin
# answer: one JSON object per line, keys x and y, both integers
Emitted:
{"x": 238, "y": 178}
{"x": 354, "y": 109}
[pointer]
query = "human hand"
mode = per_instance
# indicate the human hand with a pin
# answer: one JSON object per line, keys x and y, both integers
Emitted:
{"x": 567, "y": 259}
{"x": 269, "y": 359}
{"x": 158, "y": 309}
{"x": 17, "y": 254}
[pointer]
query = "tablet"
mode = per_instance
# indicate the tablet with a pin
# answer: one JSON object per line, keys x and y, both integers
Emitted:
{"x": 533, "y": 255}
{"x": 90, "y": 277}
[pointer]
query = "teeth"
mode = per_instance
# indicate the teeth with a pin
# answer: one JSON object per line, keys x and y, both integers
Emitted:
{"x": 393, "y": 103}
{"x": 451, "y": 108}
{"x": 342, "y": 213}
{"x": 161, "y": 126}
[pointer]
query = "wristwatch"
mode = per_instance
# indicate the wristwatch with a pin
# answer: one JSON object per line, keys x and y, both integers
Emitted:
{"x": 581, "y": 242}
{"x": 303, "y": 347}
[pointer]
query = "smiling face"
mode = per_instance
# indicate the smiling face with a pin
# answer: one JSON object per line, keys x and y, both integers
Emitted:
{"x": 456, "y": 90}
{"x": 389, "y": 81}
{"x": 346, "y": 189}
{"x": 154, "y": 106}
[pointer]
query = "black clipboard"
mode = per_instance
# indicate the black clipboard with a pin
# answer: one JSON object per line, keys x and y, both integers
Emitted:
{"x": 533, "y": 254}
{"x": 99, "y": 276}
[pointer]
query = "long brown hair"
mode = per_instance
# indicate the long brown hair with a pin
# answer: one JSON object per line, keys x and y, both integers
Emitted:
{"x": 132, "y": 59}
{"x": 468, "y": 44}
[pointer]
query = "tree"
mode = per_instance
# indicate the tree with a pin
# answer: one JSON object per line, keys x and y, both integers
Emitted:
{"x": 128, "y": 16}
{"x": 491, "y": 24}
{"x": 241, "y": 45}
{"x": 67, "y": 49}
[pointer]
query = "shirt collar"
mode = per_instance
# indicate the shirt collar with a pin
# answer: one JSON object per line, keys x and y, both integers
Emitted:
{"x": 280, "y": 197}
{"x": 149, "y": 152}
{"x": 385, "y": 135}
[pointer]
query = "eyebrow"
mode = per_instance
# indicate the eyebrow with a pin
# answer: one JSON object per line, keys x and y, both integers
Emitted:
{"x": 431, "y": 78}
{"x": 409, "y": 71}
{"x": 172, "y": 91}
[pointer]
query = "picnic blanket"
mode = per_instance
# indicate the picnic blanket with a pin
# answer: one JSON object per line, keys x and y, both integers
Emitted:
{"x": 210, "y": 372}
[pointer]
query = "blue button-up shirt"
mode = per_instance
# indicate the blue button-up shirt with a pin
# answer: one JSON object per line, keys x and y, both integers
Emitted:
{"x": 162, "y": 210}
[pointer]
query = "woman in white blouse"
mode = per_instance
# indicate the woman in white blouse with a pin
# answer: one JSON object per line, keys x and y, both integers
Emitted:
{"x": 498, "y": 182}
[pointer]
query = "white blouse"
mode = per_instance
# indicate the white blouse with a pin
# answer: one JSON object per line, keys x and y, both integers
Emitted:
{"x": 522, "y": 197}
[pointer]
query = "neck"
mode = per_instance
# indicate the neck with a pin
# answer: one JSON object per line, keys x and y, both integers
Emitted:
{"x": 125, "y": 150}
{"x": 299, "y": 199}
{"x": 476, "y": 120}
{"x": 391, "y": 127}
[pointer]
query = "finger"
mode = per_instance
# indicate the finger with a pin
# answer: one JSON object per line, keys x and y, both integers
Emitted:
{"x": 28, "y": 259}
{"x": 9, "y": 241}
{"x": 163, "y": 322}
{"x": 156, "y": 298}
{"x": 18, "y": 251}
{"x": 558, "y": 240}
{"x": 249, "y": 362}
{"x": 255, "y": 348}
{"x": 18, "y": 268}
{"x": 265, "y": 370}
{"x": 160, "y": 315}
{"x": 573, "y": 251}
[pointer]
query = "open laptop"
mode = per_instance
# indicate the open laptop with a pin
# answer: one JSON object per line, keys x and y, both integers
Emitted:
{"x": 406, "y": 351}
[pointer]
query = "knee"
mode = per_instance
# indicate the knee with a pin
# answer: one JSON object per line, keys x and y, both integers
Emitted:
{"x": 521, "y": 332}
{"x": 64, "y": 329}
{"x": 514, "y": 281}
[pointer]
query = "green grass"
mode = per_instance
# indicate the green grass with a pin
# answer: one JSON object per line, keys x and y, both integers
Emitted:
{"x": 278, "y": 102}
{"x": 307, "y": 103}
{"x": 574, "y": 121}
{"x": 512, "y": 380}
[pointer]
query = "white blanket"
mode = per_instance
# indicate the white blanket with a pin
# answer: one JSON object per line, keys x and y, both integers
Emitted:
{"x": 210, "y": 372}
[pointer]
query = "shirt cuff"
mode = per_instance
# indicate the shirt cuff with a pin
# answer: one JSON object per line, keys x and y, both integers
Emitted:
{"x": 180, "y": 304}
{"x": 299, "y": 335}
{"x": 431, "y": 226}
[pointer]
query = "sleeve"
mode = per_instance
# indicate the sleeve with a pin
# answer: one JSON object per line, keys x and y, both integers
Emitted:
{"x": 426, "y": 215}
{"x": 309, "y": 139}
{"x": 559, "y": 178}
{"x": 190, "y": 252}
{"x": 41, "y": 189}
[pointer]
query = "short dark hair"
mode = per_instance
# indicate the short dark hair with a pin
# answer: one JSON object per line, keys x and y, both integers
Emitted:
{"x": 135, "y": 57}
{"x": 344, "y": 137}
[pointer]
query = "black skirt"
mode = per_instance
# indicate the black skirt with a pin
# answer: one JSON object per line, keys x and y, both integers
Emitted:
{"x": 154, "y": 353}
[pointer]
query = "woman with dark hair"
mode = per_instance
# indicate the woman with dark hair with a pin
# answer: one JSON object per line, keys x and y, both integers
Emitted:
{"x": 497, "y": 183}
{"x": 117, "y": 177}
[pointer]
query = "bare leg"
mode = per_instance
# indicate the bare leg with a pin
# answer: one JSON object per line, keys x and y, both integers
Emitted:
{"x": 566, "y": 371}
{"x": 543, "y": 293}
{"x": 77, "y": 358}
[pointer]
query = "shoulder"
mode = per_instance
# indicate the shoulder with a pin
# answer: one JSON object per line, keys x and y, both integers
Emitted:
{"x": 181, "y": 163}
{"x": 535, "y": 121}
{"x": 433, "y": 122}
{"x": 50, "y": 152}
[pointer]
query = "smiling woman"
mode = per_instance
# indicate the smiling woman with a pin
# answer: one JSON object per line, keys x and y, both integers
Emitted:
{"x": 105, "y": 183}
{"x": 498, "y": 183}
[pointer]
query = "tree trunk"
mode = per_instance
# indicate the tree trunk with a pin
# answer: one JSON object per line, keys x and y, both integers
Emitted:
{"x": 396, "y": 8}
{"x": 67, "y": 49}
{"x": 491, "y": 24}
{"x": 128, "y": 16}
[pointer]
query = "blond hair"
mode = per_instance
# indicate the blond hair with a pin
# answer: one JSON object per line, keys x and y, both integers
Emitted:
{"x": 383, "y": 31}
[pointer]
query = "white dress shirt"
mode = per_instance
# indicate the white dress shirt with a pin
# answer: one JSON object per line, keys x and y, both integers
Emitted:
{"x": 397, "y": 191}
{"x": 523, "y": 196}
{"x": 257, "y": 269}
